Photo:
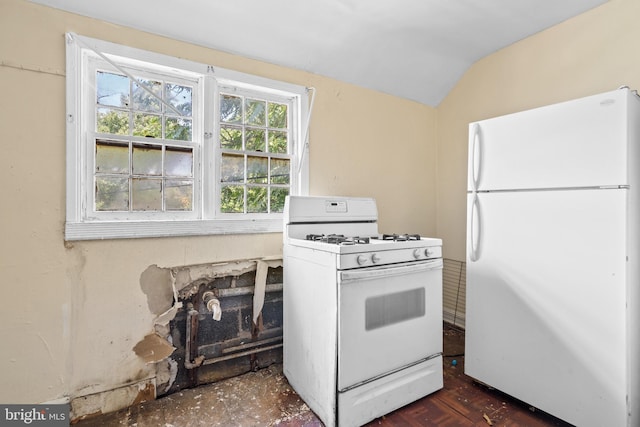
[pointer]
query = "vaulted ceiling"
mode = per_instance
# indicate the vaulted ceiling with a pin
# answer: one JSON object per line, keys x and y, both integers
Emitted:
{"x": 415, "y": 49}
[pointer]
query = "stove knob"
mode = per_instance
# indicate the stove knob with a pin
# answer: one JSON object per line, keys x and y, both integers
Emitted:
{"x": 375, "y": 258}
{"x": 361, "y": 259}
{"x": 428, "y": 252}
{"x": 416, "y": 254}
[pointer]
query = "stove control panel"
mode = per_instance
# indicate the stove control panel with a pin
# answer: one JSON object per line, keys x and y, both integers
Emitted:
{"x": 336, "y": 206}
{"x": 377, "y": 258}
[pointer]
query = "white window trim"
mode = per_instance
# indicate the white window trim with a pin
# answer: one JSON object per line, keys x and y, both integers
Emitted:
{"x": 90, "y": 135}
{"x": 78, "y": 224}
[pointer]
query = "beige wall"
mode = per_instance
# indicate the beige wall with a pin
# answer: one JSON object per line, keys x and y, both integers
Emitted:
{"x": 594, "y": 52}
{"x": 73, "y": 311}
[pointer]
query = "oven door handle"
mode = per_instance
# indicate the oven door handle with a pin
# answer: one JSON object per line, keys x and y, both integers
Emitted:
{"x": 390, "y": 270}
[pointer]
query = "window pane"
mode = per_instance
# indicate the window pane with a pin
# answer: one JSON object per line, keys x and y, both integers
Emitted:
{"x": 143, "y": 100}
{"x": 180, "y": 97}
{"x": 255, "y": 140}
{"x": 112, "y": 89}
{"x": 277, "y": 115}
{"x": 257, "y": 169}
{"x": 230, "y": 109}
{"x": 112, "y": 193}
{"x": 112, "y": 157}
{"x": 232, "y": 168}
{"x": 149, "y": 125}
{"x": 147, "y": 160}
{"x": 178, "y": 128}
{"x": 231, "y": 137}
{"x": 178, "y": 162}
{"x": 232, "y": 199}
{"x": 280, "y": 171}
{"x": 178, "y": 194}
{"x": 255, "y": 112}
{"x": 146, "y": 194}
{"x": 112, "y": 121}
{"x": 277, "y": 141}
{"x": 257, "y": 199}
{"x": 277, "y": 199}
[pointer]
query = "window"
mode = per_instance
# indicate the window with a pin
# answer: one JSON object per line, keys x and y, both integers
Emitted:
{"x": 141, "y": 143}
{"x": 160, "y": 146}
{"x": 255, "y": 162}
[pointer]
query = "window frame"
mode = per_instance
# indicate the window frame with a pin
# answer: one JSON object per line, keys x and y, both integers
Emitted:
{"x": 205, "y": 219}
{"x": 93, "y": 65}
{"x": 233, "y": 89}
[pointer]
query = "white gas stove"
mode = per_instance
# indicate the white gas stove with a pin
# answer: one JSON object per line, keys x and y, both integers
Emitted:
{"x": 362, "y": 310}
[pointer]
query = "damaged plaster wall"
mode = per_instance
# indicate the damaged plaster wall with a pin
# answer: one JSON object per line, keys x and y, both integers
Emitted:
{"x": 117, "y": 344}
{"x": 168, "y": 288}
{"x": 156, "y": 283}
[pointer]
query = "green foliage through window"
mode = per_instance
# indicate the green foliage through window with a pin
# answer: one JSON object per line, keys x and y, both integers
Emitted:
{"x": 133, "y": 176}
{"x": 254, "y": 139}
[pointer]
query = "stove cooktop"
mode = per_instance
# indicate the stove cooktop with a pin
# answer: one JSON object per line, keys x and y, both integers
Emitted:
{"x": 341, "y": 239}
{"x": 343, "y": 244}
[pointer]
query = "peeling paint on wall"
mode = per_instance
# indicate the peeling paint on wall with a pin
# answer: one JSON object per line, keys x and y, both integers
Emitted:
{"x": 155, "y": 282}
{"x": 111, "y": 400}
{"x": 153, "y": 348}
{"x": 166, "y": 373}
{"x": 145, "y": 394}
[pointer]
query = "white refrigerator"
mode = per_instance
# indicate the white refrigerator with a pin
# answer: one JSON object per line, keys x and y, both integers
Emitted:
{"x": 553, "y": 258}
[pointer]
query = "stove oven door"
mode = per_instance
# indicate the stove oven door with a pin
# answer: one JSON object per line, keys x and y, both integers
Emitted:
{"x": 390, "y": 317}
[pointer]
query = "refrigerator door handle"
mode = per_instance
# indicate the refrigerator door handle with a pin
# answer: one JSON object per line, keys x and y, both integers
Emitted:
{"x": 474, "y": 229}
{"x": 475, "y": 156}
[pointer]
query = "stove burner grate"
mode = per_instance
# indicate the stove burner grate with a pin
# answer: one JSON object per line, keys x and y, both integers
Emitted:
{"x": 400, "y": 237}
{"x": 338, "y": 239}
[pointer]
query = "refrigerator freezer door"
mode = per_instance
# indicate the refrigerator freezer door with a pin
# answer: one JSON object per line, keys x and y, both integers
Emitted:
{"x": 546, "y": 301}
{"x": 578, "y": 143}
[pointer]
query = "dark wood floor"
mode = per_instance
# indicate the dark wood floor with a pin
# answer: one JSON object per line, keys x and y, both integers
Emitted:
{"x": 463, "y": 402}
{"x": 264, "y": 398}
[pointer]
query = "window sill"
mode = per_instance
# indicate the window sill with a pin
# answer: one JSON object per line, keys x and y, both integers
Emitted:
{"x": 149, "y": 229}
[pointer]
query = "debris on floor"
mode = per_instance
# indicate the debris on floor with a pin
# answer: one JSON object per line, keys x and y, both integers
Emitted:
{"x": 261, "y": 398}
{"x": 487, "y": 419}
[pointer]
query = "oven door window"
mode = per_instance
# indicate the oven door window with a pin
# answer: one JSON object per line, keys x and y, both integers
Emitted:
{"x": 389, "y": 317}
{"x": 388, "y": 309}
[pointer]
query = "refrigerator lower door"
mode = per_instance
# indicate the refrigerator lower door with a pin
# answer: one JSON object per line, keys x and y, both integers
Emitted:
{"x": 546, "y": 289}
